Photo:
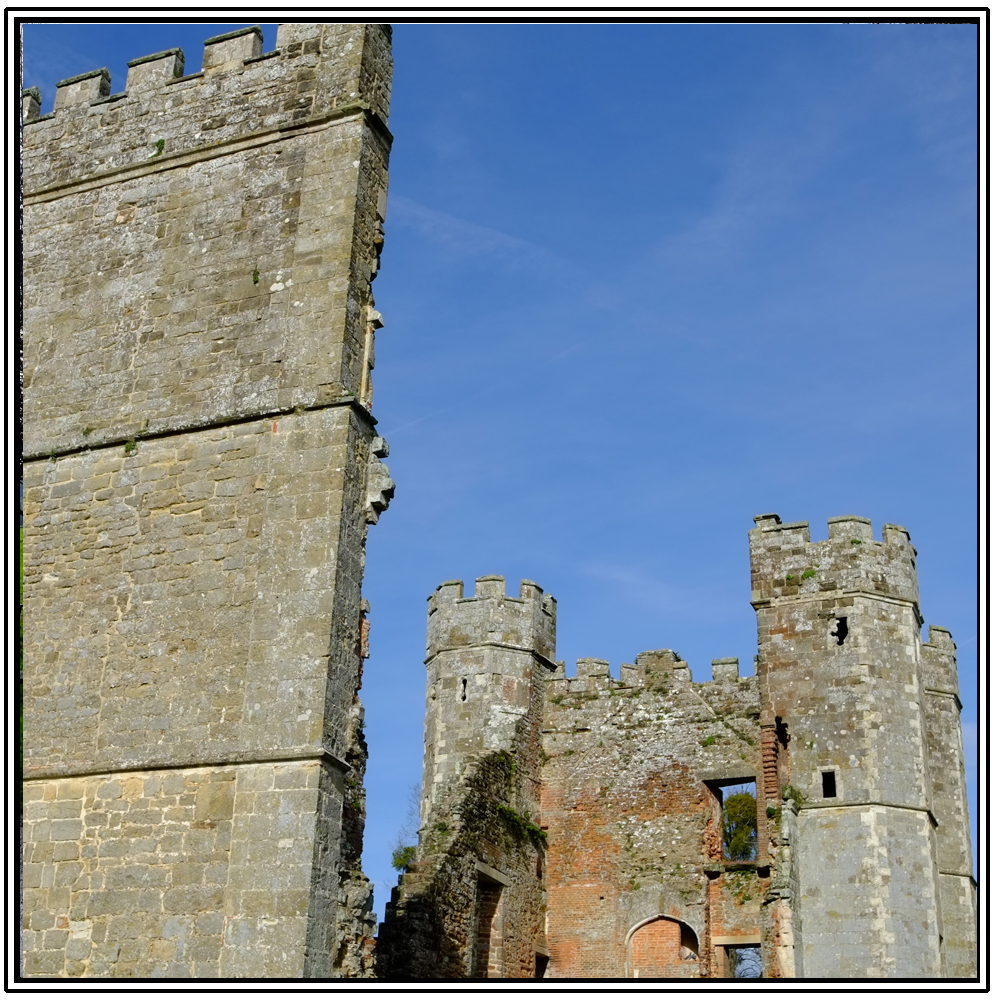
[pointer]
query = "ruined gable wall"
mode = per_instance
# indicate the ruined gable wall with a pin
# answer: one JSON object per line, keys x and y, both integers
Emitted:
{"x": 633, "y": 828}
{"x": 198, "y": 485}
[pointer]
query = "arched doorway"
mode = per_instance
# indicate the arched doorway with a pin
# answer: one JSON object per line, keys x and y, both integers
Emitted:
{"x": 663, "y": 948}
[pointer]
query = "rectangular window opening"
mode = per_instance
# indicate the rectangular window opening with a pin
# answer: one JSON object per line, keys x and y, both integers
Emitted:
{"x": 739, "y": 820}
{"x": 829, "y": 784}
{"x": 744, "y": 962}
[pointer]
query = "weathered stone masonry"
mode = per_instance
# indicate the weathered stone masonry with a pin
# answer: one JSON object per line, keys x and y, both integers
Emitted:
{"x": 481, "y": 844}
{"x": 201, "y": 468}
{"x": 849, "y": 730}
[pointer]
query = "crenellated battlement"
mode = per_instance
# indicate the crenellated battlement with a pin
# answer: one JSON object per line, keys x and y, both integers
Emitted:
{"x": 659, "y": 671}
{"x": 526, "y": 622}
{"x": 940, "y": 666}
{"x": 317, "y": 70}
{"x": 784, "y": 562}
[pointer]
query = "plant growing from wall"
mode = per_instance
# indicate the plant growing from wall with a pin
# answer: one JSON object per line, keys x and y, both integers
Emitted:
{"x": 791, "y": 792}
{"x": 404, "y": 856}
{"x": 404, "y": 852}
{"x": 520, "y": 824}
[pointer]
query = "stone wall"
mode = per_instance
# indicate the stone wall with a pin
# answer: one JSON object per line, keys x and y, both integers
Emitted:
{"x": 175, "y": 873}
{"x": 201, "y": 470}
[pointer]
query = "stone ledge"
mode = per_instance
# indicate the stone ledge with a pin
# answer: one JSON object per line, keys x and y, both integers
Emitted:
{"x": 233, "y": 760}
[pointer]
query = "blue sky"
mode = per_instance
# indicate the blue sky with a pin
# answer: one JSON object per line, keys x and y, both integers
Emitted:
{"x": 641, "y": 283}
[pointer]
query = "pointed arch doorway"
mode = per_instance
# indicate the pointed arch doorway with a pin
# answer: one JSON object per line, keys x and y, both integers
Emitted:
{"x": 662, "y": 948}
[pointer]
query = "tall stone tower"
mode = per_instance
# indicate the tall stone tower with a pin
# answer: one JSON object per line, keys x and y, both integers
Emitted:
{"x": 865, "y": 739}
{"x": 472, "y": 904}
{"x": 200, "y": 470}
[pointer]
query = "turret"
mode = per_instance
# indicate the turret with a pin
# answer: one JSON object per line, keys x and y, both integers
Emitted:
{"x": 845, "y": 742}
{"x": 956, "y": 885}
{"x": 485, "y": 656}
{"x": 471, "y": 903}
{"x": 838, "y": 636}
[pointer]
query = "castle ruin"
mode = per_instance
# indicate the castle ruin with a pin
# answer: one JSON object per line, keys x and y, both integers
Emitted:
{"x": 201, "y": 467}
{"x": 574, "y": 827}
{"x": 200, "y": 470}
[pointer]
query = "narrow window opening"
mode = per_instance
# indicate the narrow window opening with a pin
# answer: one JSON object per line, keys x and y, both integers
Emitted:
{"x": 541, "y": 962}
{"x": 841, "y": 633}
{"x": 465, "y": 685}
{"x": 781, "y": 731}
{"x": 829, "y": 784}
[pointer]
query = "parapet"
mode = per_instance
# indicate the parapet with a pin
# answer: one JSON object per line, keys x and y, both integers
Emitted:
{"x": 526, "y": 622}
{"x": 938, "y": 661}
{"x": 317, "y": 70}
{"x": 660, "y": 671}
{"x": 784, "y": 563}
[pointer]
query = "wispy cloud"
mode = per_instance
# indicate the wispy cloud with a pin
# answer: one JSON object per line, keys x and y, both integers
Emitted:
{"x": 784, "y": 147}
{"x": 462, "y": 401}
{"x": 930, "y": 75}
{"x": 469, "y": 239}
{"x": 761, "y": 186}
{"x": 653, "y": 591}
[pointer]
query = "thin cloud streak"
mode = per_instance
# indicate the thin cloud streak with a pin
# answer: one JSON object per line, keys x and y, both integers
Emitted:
{"x": 469, "y": 238}
{"x": 689, "y": 603}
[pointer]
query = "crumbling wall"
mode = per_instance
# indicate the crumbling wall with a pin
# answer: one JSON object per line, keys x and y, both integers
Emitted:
{"x": 200, "y": 474}
{"x": 631, "y": 805}
{"x": 471, "y": 904}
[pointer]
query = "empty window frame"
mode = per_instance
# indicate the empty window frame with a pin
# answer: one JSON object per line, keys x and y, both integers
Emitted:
{"x": 743, "y": 962}
{"x": 738, "y": 819}
{"x": 829, "y": 779}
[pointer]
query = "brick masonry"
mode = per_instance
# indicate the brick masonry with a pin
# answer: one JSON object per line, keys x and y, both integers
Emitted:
{"x": 201, "y": 470}
{"x": 848, "y": 730}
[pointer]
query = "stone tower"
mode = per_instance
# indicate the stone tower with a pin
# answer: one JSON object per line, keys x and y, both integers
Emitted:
{"x": 200, "y": 470}
{"x": 476, "y": 885}
{"x": 862, "y": 723}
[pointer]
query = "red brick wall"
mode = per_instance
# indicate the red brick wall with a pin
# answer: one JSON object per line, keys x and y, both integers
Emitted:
{"x": 655, "y": 952}
{"x": 633, "y": 823}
